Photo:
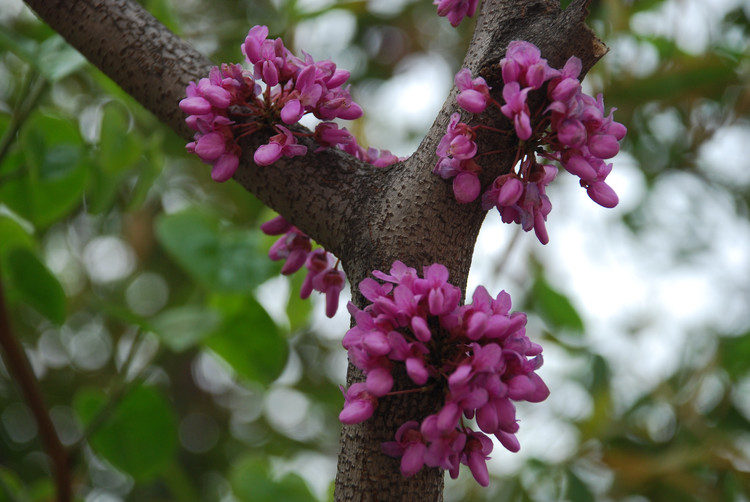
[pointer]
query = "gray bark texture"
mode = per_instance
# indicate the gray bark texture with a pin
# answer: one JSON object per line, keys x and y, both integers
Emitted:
{"x": 368, "y": 217}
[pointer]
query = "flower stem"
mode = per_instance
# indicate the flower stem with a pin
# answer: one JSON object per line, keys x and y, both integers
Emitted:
{"x": 35, "y": 87}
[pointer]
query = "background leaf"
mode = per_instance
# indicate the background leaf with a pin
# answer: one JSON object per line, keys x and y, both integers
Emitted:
{"x": 58, "y": 60}
{"x": 12, "y": 234}
{"x": 56, "y": 171}
{"x": 252, "y": 481}
{"x": 183, "y": 327}
{"x": 554, "y": 307}
{"x": 222, "y": 257}
{"x": 32, "y": 283}
{"x": 119, "y": 146}
{"x": 250, "y": 342}
{"x": 140, "y": 437}
{"x": 735, "y": 354}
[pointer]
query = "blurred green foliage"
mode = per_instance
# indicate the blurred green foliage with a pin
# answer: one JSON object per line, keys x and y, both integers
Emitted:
{"x": 133, "y": 280}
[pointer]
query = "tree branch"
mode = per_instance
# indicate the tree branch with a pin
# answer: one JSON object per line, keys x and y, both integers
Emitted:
{"x": 368, "y": 217}
{"x": 415, "y": 218}
{"x": 154, "y": 66}
{"x": 21, "y": 372}
{"x": 130, "y": 46}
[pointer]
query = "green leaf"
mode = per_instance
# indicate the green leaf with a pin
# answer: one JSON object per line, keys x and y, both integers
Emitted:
{"x": 11, "y": 487}
{"x": 44, "y": 202}
{"x": 735, "y": 354}
{"x": 250, "y": 342}
{"x": 578, "y": 490}
{"x": 251, "y": 481}
{"x": 221, "y": 257}
{"x": 182, "y": 327}
{"x": 55, "y": 174}
{"x": 162, "y": 10}
{"x": 149, "y": 170}
{"x": 32, "y": 283}
{"x": 686, "y": 78}
{"x": 42, "y": 490}
{"x": 12, "y": 164}
{"x": 643, "y": 5}
{"x": 102, "y": 190}
{"x": 88, "y": 402}
{"x": 119, "y": 147}
{"x": 52, "y": 145}
{"x": 24, "y": 48}
{"x": 297, "y": 309}
{"x": 140, "y": 437}
{"x": 12, "y": 235}
{"x": 56, "y": 59}
{"x": 53, "y": 58}
{"x": 554, "y": 307}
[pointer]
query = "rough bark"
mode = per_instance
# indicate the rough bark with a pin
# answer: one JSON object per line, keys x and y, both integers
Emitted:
{"x": 368, "y": 217}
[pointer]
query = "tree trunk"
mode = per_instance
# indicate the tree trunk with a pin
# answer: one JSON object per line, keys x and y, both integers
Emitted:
{"x": 368, "y": 217}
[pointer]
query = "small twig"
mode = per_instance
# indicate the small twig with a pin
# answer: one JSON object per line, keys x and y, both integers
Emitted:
{"x": 21, "y": 372}
{"x": 33, "y": 91}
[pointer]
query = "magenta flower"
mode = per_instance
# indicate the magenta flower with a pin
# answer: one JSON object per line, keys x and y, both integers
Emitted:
{"x": 253, "y": 43}
{"x": 578, "y": 165}
{"x": 293, "y": 247}
{"x": 283, "y": 144}
{"x": 510, "y": 192}
{"x": 458, "y": 141}
{"x": 195, "y": 105}
{"x": 210, "y": 146}
{"x": 475, "y": 454}
{"x": 329, "y": 134}
{"x": 515, "y": 108}
{"x": 566, "y": 85}
{"x": 318, "y": 262}
{"x": 466, "y": 187}
{"x": 203, "y": 96}
{"x": 444, "y": 448}
{"x": 456, "y": 10}
{"x": 276, "y": 226}
{"x": 224, "y": 167}
{"x": 330, "y": 283}
{"x": 572, "y": 133}
{"x": 523, "y": 64}
{"x": 359, "y": 405}
{"x": 474, "y": 94}
{"x": 338, "y": 103}
{"x": 379, "y": 381}
{"x": 456, "y": 150}
{"x": 410, "y": 446}
{"x": 602, "y": 194}
{"x": 603, "y": 146}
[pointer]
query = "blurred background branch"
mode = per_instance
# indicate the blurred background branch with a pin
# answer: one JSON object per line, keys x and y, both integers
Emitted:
{"x": 22, "y": 375}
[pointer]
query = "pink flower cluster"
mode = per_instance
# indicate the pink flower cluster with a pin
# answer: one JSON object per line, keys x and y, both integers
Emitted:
{"x": 281, "y": 89}
{"x": 477, "y": 354}
{"x": 295, "y": 248}
{"x": 456, "y": 10}
{"x": 573, "y": 130}
{"x": 585, "y": 135}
